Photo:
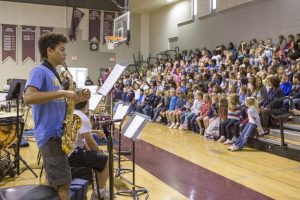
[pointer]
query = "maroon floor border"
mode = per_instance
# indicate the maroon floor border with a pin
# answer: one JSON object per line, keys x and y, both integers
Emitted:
{"x": 191, "y": 180}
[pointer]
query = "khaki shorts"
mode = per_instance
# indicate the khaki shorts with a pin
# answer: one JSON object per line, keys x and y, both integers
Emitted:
{"x": 56, "y": 165}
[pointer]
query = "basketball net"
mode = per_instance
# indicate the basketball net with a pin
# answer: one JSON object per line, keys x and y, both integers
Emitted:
{"x": 112, "y": 41}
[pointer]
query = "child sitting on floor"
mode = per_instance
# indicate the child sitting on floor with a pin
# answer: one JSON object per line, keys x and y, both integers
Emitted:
{"x": 162, "y": 106}
{"x": 213, "y": 114}
{"x": 193, "y": 111}
{"x": 228, "y": 135}
{"x": 204, "y": 112}
{"x": 173, "y": 100}
{"x": 179, "y": 108}
{"x": 251, "y": 126}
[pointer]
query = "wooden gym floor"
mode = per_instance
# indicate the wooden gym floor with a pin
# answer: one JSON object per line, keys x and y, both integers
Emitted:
{"x": 175, "y": 165}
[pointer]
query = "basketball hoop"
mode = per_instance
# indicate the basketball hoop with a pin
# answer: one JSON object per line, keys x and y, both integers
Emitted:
{"x": 112, "y": 41}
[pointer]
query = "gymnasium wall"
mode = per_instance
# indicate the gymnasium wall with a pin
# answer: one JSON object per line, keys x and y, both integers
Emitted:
{"x": 164, "y": 24}
{"x": 59, "y": 18}
{"x": 233, "y": 20}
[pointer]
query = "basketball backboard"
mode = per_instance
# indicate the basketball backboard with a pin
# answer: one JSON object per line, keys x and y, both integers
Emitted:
{"x": 122, "y": 26}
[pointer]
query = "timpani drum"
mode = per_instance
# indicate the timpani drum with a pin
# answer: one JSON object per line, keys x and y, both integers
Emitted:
{"x": 8, "y": 132}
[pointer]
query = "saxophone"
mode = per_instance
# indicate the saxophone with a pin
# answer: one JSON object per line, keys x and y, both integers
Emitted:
{"x": 72, "y": 121}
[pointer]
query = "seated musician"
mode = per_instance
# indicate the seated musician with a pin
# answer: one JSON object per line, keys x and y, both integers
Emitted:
{"x": 87, "y": 153}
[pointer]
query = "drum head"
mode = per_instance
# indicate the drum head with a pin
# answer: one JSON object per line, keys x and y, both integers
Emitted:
{"x": 8, "y": 133}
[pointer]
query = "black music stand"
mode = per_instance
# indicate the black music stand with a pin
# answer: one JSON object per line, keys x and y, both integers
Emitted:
{"x": 15, "y": 92}
{"x": 105, "y": 90}
{"x": 120, "y": 113}
{"x": 132, "y": 130}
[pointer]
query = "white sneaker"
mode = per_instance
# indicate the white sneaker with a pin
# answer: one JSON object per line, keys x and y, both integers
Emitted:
{"x": 227, "y": 142}
{"x": 176, "y": 126}
{"x": 104, "y": 194}
{"x": 234, "y": 148}
{"x": 172, "y": 125}
{"x": 222, "y": 139}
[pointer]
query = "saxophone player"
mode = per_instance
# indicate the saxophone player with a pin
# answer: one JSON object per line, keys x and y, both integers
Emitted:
{"x": 44, "y": 92}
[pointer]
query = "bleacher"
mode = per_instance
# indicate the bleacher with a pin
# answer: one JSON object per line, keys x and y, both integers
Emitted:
{"x": 283, "y": 141}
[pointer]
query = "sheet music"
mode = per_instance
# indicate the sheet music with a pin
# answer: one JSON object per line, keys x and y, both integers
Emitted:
{"x": 92, "y": 88}
{"x": 121, "y": 111}
{"x": 134, "y": 126}
{"x": 9, "y": 114}
{"x": 3, "y": 96}
{"x": 111, "y": 79}
{"x": 94, "y": 101}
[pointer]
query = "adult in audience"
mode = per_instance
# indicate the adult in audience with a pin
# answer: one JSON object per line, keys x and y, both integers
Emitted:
{"x": 269, "y": 106}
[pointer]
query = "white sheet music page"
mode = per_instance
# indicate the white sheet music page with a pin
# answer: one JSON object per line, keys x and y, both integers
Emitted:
{"x": 111, "y": 79}
{"x": 3, "y": 96}
{"x": 121, "y": 111}
{"x": 134, "y": 126}
{"x": 94, "y": 101}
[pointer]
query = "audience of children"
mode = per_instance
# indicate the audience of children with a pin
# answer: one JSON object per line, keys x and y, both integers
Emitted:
{"x": 226, "y": 95}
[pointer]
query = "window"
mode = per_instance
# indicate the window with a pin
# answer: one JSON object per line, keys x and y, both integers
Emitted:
{"x": 213, "y": 4}
{"x": 195, "y": 7}
{"x": 79, "y": 75}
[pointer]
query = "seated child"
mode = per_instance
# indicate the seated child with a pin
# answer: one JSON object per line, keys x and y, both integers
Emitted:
{"x": 252, "y": 125}
{"x": 193, "y": 111}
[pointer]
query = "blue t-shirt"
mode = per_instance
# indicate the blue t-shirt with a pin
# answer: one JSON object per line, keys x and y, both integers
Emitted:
{"x": 48, "y": 117}
{"x": 173, "y": 103}
{"x": 286, "y": 87}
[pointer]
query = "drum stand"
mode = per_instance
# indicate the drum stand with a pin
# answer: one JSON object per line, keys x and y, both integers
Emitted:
{"x": 16, "y": 155}
{"x": 11, "y": 165}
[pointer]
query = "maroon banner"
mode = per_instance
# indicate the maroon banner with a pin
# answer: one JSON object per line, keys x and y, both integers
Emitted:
{"x": 28, "y": 43}
{"x": 77, "y": 16}
{"x": 44, "y": 30}
{"x": 108, "y": 23}
{"x": 9, "y": 42}
{"x": 94, "y": 25}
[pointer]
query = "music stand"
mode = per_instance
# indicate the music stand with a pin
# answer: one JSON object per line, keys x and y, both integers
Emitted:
{"x": 132, "y": 130}
{"x": 106, "y": 90}
{"x": 120, "y": 113}
{"x": 15, "y": 92}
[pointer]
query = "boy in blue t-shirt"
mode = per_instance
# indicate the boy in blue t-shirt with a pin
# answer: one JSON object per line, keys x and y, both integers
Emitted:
{"x": 172, "y": 105}
{"x": 44, "y": 92}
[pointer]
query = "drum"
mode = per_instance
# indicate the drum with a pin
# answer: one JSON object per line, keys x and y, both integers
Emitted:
{"x": 8, "y": 132}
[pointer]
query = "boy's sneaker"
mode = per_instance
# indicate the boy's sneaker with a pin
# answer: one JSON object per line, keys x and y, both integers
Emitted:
{"x": 234, "y": 148}
{"x": 227, "y": 142}
{"x": 172, "y": 125}
{"x": 222, "y": 139}
{"x": 176, "y": 125}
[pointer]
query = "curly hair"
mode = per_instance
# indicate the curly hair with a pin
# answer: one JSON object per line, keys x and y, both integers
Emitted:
{"x": 50, "y": 40}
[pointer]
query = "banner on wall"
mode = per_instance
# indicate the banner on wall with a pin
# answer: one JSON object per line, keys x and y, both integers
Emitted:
{"x": 9, "y": 42}
{"x": 44, "y": 30}
{"x": 77, "y": 16}
{"x": 28, "y": 43}
{"x": 108, "y": 23}
{"x": 94, "y": 25}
